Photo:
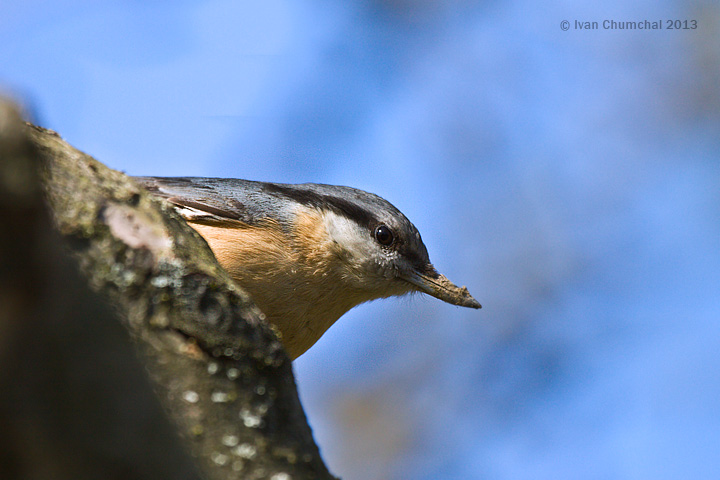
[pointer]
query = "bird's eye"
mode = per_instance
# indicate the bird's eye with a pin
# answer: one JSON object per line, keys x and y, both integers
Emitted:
{"x": 384, "y": 235}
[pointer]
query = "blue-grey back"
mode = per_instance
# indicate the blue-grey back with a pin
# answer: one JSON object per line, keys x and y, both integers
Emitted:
{"x": 252, "y": 201}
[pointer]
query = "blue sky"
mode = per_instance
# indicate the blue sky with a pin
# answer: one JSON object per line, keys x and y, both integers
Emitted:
{"x": 570, "y": 179}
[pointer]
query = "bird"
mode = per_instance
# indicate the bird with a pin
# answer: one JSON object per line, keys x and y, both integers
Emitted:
{"x": 307, "y": 253}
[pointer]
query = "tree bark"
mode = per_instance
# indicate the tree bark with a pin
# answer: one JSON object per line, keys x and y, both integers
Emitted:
{"x": 219, "y": 370}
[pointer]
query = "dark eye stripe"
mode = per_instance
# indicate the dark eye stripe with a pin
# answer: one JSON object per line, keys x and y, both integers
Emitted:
{"x": 308, "y": 197}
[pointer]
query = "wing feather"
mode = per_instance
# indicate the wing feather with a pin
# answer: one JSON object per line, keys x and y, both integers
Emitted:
{"x": 197, "y": 201}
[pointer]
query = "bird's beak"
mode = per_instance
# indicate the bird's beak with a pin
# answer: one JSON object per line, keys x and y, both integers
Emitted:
{"x": 440, "y": 287}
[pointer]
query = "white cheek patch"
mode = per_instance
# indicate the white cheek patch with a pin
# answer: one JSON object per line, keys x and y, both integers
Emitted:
{"x": 355, "y": 240}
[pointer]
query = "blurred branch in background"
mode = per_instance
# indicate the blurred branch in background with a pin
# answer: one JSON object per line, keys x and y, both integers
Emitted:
{"x": 74, "y": 401}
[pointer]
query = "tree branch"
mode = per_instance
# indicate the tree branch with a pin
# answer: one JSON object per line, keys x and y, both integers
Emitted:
{"x": 219, "y": 369}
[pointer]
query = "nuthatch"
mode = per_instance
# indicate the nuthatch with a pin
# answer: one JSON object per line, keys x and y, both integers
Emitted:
{"x": 307, "y": 253}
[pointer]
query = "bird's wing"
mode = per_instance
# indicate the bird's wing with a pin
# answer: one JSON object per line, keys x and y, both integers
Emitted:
{"x": 199, "y": 199}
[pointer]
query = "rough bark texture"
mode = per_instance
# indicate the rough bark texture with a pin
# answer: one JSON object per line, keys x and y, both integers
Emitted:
{"x": 219, "y": 370}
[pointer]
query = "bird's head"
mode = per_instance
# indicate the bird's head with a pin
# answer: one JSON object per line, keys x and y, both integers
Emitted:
{"x": 381, "y": 250}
